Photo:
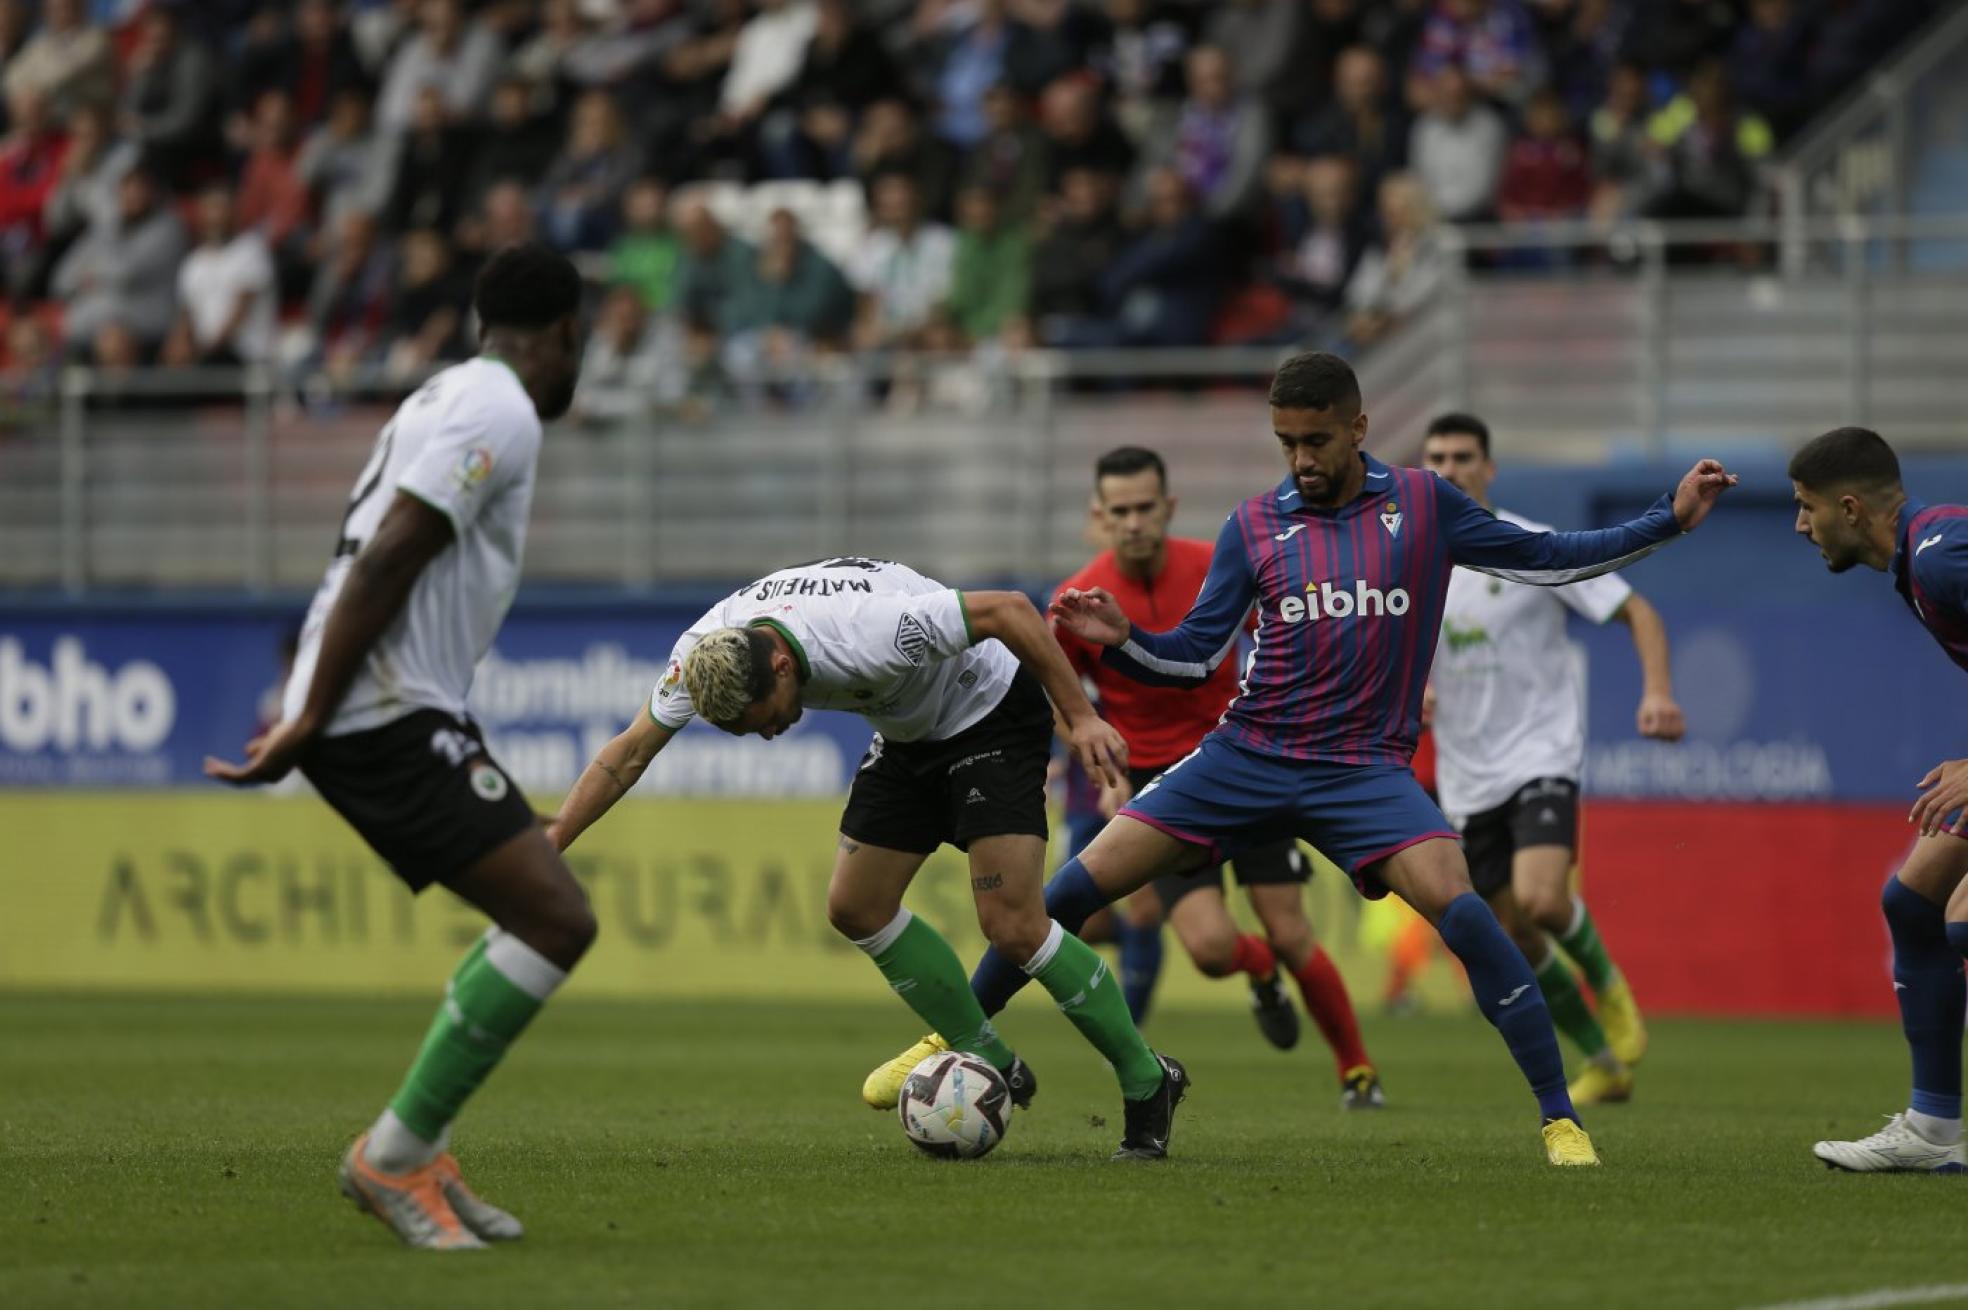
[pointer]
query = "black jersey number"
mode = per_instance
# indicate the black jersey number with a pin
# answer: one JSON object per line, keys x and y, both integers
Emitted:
{"x": 372, "y": 478}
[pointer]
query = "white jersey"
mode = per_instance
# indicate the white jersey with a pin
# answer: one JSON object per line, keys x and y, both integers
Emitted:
{"x": 465, "y": 444}
{"x": 872, "y": 637}
{"x": 1509, "y": 685}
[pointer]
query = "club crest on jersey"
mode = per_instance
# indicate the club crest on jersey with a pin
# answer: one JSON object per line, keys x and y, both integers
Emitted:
{"x": 474, "y": 466}
{"x": 1390, "y": 518}
{"x": 911, "y": 639}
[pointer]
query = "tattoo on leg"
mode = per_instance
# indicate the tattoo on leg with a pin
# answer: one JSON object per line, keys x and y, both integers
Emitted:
{"x": 989, "y": 882}
{"x": 849, "y": 845}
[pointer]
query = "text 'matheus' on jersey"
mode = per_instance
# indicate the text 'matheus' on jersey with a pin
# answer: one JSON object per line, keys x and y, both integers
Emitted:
{"x": 465, "y": 443}
{"x": 1349, "y": 601}
{"x": 873, "y": 637}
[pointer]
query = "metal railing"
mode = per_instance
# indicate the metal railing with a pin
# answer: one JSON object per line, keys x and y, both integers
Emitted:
{"x": 1861, "y": 160}
{"x": 1577, "y": 344}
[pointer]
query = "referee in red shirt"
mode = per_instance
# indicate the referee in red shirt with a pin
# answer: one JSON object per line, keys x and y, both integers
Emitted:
{"x": 1155, "y": 578}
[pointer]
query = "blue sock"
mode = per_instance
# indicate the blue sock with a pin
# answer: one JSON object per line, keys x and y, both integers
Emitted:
{"x": 1507, "y": 994}
{"x": 1927, "y": 980}
{"x": 1070, "y": 899}
{"x": 1141, "y": 964}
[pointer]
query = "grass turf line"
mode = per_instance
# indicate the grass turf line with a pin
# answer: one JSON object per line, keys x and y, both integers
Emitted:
{"x": 173, "y": 1152}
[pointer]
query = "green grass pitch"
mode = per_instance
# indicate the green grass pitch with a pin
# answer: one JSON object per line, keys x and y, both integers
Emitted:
{"x": 181, "y": 1152}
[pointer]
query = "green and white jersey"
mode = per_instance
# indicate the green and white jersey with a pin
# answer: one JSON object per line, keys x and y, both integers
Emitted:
{"x": 872, "y": 637}
{"x": 1509, "y": 685}
{"x": 466, "y": 443}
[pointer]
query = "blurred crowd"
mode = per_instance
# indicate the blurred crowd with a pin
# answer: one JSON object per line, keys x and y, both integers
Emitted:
{"x": 311, "y": 184}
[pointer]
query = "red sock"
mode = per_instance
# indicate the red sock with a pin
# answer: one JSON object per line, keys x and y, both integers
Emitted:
{"x": 1332, "y": 1009}
{"x": 1253, "y": 956}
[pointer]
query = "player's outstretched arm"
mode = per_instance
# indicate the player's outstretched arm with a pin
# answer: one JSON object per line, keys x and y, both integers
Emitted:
{"x": 1188, "y": 654}
{"x": 379, "y": 580}
{"x": 1479, "y": 540}
{"x": 1011, "y": 618}
{"x": 616, "y": 768}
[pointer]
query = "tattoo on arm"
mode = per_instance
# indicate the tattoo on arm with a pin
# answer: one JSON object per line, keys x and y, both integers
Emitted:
{"x": 988, "y": 882}
{"x": 609, "y": 769}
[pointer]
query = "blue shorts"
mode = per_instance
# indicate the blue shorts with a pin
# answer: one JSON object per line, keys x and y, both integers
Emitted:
{"x": 1225, "y": 798}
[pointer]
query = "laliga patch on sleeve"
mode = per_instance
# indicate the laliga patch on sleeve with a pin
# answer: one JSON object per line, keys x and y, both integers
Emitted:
{"x": 672, "y": 679}
{"x": 912, "y": 639}
{"x": 474, "y": 466}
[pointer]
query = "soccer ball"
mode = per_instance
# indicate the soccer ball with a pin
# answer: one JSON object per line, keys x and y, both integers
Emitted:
{"x": 955, "y": 1105}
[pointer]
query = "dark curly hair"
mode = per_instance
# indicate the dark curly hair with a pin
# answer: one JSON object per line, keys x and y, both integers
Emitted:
{"x": 526, "y": 286}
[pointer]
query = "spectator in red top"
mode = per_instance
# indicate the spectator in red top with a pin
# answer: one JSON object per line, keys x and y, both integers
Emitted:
{"x": 30, "y": 164}
{"x": 1545, "y": 175}
{"x": 272, "y": 195}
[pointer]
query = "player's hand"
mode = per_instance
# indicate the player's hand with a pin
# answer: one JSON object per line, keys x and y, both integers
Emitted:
{"x": 269, "y": 757}
{"x": 1697, "y": 494}
{"x": 1112, "y": 798}
{"x": 1944, "y": 790}
{"x": 1093, "y": 615}
{"x": 1660, "y": 717}
{"x": 1100, "y": 749}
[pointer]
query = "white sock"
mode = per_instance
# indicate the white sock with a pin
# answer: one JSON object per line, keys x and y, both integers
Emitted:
{"x": 394, "y": 1149}
{"x": 1941, "y": 1132}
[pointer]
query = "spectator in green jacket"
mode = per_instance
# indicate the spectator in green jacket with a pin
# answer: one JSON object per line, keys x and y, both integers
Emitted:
{"x": 794, "y": 301}
{"x": 647, "y": 252}
{"x": 991, "y": 274}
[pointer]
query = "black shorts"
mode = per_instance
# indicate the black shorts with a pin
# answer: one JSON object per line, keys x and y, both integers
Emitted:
{"x": 1273, "y": 864}
{"x": 987, "y": 781}
{"x": 1543, "y": 812}
{"x": 422, "y": 792}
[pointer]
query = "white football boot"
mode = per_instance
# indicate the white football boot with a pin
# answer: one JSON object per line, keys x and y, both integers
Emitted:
{"x": 1894, "y": 1149}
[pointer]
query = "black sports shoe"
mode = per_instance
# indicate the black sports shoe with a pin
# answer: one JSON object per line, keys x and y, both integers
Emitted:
{"x": 1024, "y": 1084}
{"x": 1149, "y": 1120}
{"x": 1272, "y": 1009}
{"x": 1360, "y": 1090}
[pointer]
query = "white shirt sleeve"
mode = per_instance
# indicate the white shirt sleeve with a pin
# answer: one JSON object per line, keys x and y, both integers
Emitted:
{"x": 669, "y": 704}
{"x": 478, "y": 451}
{"x": 898, "y": 634}
{"x": 1597, "y": 599}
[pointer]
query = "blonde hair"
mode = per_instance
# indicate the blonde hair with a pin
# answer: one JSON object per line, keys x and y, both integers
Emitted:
{"x": 720, "y": 672}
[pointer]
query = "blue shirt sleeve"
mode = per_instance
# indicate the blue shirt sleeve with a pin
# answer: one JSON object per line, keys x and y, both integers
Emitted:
{"x": 1191, "y": 652}
{"x": 1479, "y": 540}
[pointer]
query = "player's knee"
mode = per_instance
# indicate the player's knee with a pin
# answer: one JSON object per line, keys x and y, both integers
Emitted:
{"x": 1549, "y": 908}
{"x": 1017, "y": 931}
{"x": 1288, "y": 931}
{"x": 856, "y": 919}
{"x": 563, "y": 927}
{"x": 1214, "y": 954}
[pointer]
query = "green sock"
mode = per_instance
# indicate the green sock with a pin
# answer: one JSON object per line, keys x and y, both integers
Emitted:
{"x": 1088, "y": 995}
{"x": 1582, "y": 943}
{"x": 1569, "y": 1013}
{"x": 927, "y": 974}
{"x": 497, "y": 989}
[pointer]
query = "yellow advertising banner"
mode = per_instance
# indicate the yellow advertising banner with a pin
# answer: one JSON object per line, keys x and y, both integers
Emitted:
{"x": 191, "y": 890}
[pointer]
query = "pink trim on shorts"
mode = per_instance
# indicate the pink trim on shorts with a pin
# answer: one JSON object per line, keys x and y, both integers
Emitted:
{"x": 1190, "y": 838}
{"x": 1360, "y": 864}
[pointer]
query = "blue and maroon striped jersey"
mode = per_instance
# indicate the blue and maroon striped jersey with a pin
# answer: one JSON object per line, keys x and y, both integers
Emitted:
{"x": 1930, "y": 569}
{"x": 1349, "y": 602}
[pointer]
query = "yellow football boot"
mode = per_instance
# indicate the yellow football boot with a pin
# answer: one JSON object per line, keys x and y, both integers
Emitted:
{"x": 1599, "y": 1085}
{"x": 1619, "y": 1015}
{"x": 884, "y": 1086}
{"x": 1565, "y": 1143}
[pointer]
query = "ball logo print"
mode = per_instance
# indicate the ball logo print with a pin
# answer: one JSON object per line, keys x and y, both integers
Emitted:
{"x": 955, "y": 1106}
